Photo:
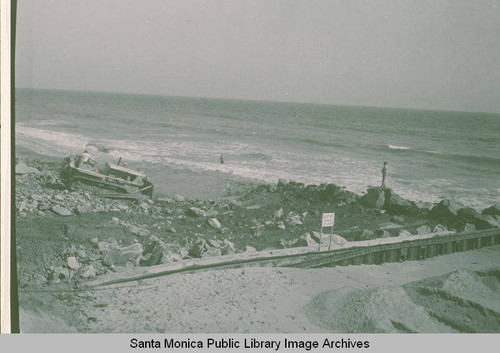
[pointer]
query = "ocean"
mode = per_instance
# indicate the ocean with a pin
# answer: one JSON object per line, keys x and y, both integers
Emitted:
{"x": 431, "y": 155}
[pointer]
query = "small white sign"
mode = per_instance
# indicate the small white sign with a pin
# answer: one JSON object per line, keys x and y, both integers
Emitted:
{"x": 328, "y": 220}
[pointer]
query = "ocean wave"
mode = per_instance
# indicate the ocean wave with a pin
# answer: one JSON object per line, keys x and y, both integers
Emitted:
{"x": 465, "y": 160}
{"x": 52, "y": 142}
{"x": 47, "y": 122}
{"x": 395, "y": 147}
{"x": 97, "y": 147}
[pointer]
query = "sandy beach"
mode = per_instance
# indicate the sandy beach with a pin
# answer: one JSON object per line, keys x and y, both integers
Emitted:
{"x": 342, "y": 299}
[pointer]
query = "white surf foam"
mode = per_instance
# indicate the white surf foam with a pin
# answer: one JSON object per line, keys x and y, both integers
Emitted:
{"x": 395, "y": 147}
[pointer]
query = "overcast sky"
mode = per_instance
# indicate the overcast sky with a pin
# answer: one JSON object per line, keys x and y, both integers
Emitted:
{"x": 417, "y": 54}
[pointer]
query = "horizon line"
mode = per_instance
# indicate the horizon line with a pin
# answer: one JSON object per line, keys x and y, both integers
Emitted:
{"x": 257, "y": 100}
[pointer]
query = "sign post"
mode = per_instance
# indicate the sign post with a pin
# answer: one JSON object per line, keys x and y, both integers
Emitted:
{"x": 327, "y": 220}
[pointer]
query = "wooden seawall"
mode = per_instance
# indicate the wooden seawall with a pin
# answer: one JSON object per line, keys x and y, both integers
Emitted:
{"x": 405, "y": 250}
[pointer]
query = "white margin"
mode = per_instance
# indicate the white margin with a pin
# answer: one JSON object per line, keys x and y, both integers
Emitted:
{"x": 5, "y": 193}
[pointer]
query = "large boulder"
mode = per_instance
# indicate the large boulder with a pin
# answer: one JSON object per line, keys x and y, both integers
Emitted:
{"x": 195, "y": 212}
{"x": 328, "y": 194}
{"x": 469, "y": 227}
{"x": 439, "y": 228}
{"x": 61, "y": 211}
{"x": 198, "y": 248}
{"x": 375, "y": 198}
{"x": 395, "y": 204}
{"x": 470, "y": 215}
{"x": 445, "y": 211}
{"x": 73, "y": 263}
{"x": 404, "y": 233}
{"x": 120, "y": 256}
{"x": 154, "y": 253}
{"x": 382, "y": 233}
{"x": 22, "y": 168}
{"x": 367, "y": 235}
{"x": 338, "y": 240}
{"x": 60, "y": 273}
{"x": 88, "y": 272}
{"x": 423, "y": 230}
{"x": 228, "y": 248}
{"x": 309, "y": 240}
{"x": 493, "y": 210}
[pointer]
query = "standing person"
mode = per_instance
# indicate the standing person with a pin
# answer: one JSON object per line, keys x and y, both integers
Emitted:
{"x": 221, "y": 159}
{"x": 384, "y": 173}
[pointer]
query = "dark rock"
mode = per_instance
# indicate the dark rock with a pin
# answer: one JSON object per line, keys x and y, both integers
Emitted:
{"x": 367, "y": 235}
{"x": 470, "y": 215}
{"x": 60, "y": 273}
{"x": 197, "y": 212}
{"x": 314, "y": 236}
{"x": 198, "y": 248}
{"x": 445, "y": 211}
{"x": 153, "y": 253}
{"x": 375, "y": 198}
{"x": 328, "y": 194}
{"x": 157, "y": 252}
{"x": 493, "y": 210}
{"x": 404, "y": 233}
{"x": 382, "y": 233}
{"x": 469, "y": 227}
{"x": 309, "y": 240}
{"x": 395, "y": 204}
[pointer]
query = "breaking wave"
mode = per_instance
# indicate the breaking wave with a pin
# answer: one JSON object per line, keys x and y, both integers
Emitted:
{"x": 394, "y": 147}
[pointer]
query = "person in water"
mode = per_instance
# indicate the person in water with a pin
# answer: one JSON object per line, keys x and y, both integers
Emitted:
{"x": 384, "y": 173}
{"x": 221, "y": 159}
